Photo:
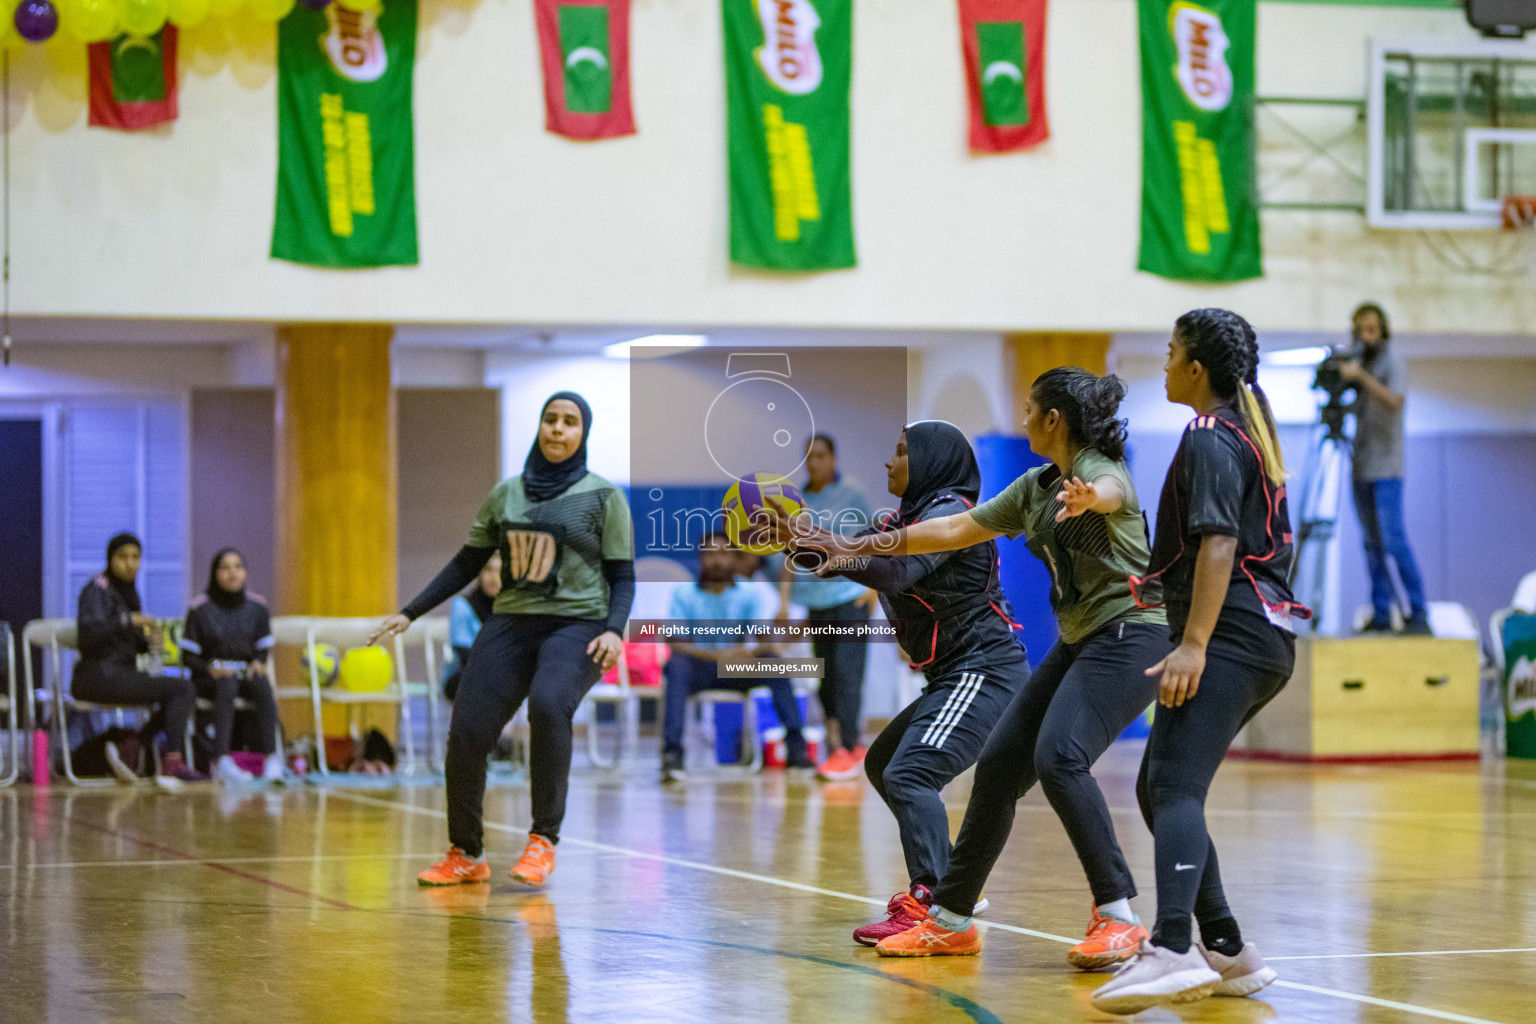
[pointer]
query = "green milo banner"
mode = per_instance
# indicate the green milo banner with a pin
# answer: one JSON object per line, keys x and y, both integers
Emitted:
{"x": 346, "y": 179}
{"x": 1519, "y": 636}
{"x": 1199, "y": 217}
{"x": 787, "y": 69}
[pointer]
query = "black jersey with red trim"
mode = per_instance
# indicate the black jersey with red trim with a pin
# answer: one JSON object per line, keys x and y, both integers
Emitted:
{"x": 948, "y": 608}
{"x": 1217, "y": 486}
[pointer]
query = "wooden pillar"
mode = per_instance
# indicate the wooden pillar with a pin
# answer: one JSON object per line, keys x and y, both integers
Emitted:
{"x": 1035, "y": 352}
{"x": 336, "y": 475}
{"x": 336, "y": 514}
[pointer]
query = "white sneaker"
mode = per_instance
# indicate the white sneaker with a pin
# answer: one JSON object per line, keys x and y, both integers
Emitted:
{"x": 226, "y": 771}
{"x": 1241, "y": 975}
{"x": 982, "y": 903}
{"x": 1156, "y": 976}
{"x": 272, "y": 769}
{"x": 126, "y": 775}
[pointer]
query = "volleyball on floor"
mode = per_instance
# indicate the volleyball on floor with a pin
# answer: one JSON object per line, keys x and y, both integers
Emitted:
{"x": 326, "y": 663}
{"x": 746, "y": 498}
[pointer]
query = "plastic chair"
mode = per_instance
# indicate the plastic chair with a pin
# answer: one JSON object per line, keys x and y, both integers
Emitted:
{"x": 432, "y": 636}
{"x": 704, "y": 702}
{"x": 57, "y": 636}
{"x": 10, "y": 705}
{"x": 627, "y": 706}
{"x": 289, "y": 631}
{"x": 345, "y": 634}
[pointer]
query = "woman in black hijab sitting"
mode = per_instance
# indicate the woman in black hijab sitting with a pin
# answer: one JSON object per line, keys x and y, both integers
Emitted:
{"x": 226, "y": 644}
{"x": 113, "y": 632}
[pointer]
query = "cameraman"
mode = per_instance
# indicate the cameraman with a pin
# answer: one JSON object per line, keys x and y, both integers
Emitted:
{"x": 1380, "y": 377}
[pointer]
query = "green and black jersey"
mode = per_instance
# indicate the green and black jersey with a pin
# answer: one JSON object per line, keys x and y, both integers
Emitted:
{"x": 552, "y": 552}
{"x": 1091, "y": 557}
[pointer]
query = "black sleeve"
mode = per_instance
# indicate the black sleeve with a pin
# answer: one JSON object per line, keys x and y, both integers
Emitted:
{"x": 1212, "y": 470}
{"x": 892, "y": 573}
{"x": 265, "y": 641}
{"x": 102, "y": 625}
{"x": 456, "y": 575}
{"x": 620, "y": 574}
{"x": 192, "y": 640}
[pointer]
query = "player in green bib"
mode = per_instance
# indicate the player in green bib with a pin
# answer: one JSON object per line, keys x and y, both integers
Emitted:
{"x": 567, "y": 582}
{"x": 1080, "y": 516}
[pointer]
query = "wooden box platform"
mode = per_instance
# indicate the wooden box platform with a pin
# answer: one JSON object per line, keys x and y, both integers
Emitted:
{"x": 1370, "y": 698}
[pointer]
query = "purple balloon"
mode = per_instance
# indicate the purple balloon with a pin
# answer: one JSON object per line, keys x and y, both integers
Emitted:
{"x": 316, "y": 5}
{"x": 36, "y": 20}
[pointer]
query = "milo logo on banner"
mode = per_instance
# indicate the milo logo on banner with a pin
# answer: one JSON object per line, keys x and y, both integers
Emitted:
{"x": 789, "y": 56}
{"x": 1201, "y": 43}
{"x": 353, "y": 43}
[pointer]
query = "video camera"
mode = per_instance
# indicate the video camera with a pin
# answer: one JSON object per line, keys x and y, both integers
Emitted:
{"x": 1329, "y": 379}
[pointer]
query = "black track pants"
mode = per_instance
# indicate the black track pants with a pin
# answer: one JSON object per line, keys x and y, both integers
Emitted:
{"x": 1079, "y": 699}
{"x": 538, "y": 658}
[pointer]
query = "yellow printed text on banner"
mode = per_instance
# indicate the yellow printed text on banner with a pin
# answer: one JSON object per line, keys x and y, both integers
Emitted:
{"x": 348, "y": 163}
{"x": 791, "y": 176}
{"x": 1205, "y": 202}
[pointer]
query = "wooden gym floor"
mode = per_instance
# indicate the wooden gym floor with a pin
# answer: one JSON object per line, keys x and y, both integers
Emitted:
{"x": 1401, "y": 893}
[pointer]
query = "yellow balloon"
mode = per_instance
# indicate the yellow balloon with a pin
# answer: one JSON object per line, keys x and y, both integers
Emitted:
{"x": 90, "y": 21}
{"x": 224, "y": 8}
{"x": 360, "y": 5}
{"x": 142, "y": 17}
{"x": 184, "y": 13}
{"x": 10, "y": 39}
{"x": 271, "y": 10}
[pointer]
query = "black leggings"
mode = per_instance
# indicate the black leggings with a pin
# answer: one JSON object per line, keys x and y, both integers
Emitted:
{"x": 1079, "y": 699}
{"x": 256, "y": 692}
{"x": 842, "y": 688}
{"x": 542, "y": 659}
{"x": 112, "y": 682}
{"x": 932, "y": 740}
{"x": 1186, "y": 747}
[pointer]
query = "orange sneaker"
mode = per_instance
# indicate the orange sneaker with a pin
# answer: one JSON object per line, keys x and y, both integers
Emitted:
{"x": 929, "y": 938}
{"x": 456, "y": 869}
{"x": 537, "y": 862}
{"x": 843, "y": 764}
{"x": 1110, "y": 942}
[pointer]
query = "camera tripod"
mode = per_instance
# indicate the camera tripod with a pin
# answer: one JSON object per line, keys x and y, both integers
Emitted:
{"x": 1322, "y": 495}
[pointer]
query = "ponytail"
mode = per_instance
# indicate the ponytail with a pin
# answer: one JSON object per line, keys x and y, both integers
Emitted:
{"x": 1260, "y": 422}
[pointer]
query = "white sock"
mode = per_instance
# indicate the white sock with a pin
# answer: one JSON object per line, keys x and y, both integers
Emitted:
{"x": 949, "y": 920}
{"x": 1120, "y": 910}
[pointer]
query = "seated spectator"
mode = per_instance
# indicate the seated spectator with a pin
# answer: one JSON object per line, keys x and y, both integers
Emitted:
{"x": 469, "y": 611}
{"x": 717, "y": 596}
{"x": 226, "y": 644}
{"x": 113, "y": 632}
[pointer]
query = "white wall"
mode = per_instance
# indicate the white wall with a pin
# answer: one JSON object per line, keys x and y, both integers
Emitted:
{"x": 519, "y": 226}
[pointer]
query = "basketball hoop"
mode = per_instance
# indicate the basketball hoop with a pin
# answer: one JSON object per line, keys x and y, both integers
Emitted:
{"x": 1519, "y": 213}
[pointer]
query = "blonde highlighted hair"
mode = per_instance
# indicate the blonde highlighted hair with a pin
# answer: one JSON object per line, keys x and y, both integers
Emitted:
{"x": 1228, "y": 347}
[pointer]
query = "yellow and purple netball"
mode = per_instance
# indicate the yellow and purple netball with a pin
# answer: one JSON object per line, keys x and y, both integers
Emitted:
{"x": 747, "y": 498}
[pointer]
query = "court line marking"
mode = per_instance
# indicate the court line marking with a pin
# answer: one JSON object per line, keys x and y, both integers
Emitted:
{"x": 1417, "y": 952}
{"x": 183, "y": 862}
{"x": 1423, "y": 1011}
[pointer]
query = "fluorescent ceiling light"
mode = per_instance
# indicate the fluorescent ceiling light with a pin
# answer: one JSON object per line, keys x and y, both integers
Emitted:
{"x": 621, "y": 349}
{"x": 1310, "y": 356}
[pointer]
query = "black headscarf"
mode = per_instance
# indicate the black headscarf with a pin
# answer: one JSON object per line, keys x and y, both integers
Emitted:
{"x": 217, "y": 594}
{"x": 124, "y": 589}
{"x": 939, "y": 461}
{"x": 543, "y": 479}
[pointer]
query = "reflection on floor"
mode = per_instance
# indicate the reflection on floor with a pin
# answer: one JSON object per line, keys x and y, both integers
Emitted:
{"x": 1399, "y": 893}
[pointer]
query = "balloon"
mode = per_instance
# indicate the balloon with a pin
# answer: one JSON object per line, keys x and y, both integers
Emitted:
{"x": 360, "y": 5}
{"x": 36, "y": 20}
{"x": 91, "y": 21}
{"x": 186, "y": 12}
{"x": 142, "y": 17}
{"x": 224, "y": 8}
{"x": 271, "y": 10}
